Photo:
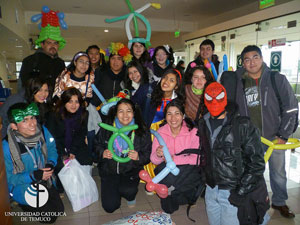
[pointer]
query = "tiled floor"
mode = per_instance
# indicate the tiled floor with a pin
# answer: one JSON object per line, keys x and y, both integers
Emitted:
{"x": 95, "y": 215}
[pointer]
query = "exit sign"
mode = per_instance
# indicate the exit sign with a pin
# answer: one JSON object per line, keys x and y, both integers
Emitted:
{"x": 266, "y": 3}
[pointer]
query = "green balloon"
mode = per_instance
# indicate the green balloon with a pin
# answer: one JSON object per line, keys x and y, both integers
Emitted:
{"x": 119, "y": 132}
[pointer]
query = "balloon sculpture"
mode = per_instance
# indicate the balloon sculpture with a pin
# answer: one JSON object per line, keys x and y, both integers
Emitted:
{"x": 273, "y": 145}
{"x": 119, "y": 132}
{"x": 211, "y": 67}
{"x": 152, "y": 185}
{"x": 133, "y": 15}
{"x": 49, "y": 26}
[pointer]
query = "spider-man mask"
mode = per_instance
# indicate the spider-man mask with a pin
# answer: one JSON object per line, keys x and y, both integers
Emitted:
{"x": 215, "y": 98}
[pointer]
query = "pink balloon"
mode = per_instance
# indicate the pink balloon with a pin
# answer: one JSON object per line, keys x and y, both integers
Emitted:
{"x": 193, "y": 64}
{"x": 150, "y": 186}
{"x": 207, "y": 65}
{"x": 144, "y": 175}
{"x": 162, "y": 190}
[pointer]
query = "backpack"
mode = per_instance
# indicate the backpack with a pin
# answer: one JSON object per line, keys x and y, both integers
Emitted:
{"x": 274, "y": 86}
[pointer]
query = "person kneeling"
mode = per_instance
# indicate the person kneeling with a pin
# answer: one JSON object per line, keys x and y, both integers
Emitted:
{"x": 182, "y": 141}
{"x": 30, "y": 156}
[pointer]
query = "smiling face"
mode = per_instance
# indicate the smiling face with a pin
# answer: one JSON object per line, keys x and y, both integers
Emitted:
{"x": 169, "y": 83}
{"x": 174, "y": 118}
{"x": 73, "y": 104}
{"x": 198, "y": 79}
{"x": 138, "y": 49}
{"x": 50, "y": 47}
{"x": 253, "y": 63}
{"x": 116, "y": 63}
{"x": 81, "y": 65}
{"x": 27, "y": 127}
{"x": 134, "y": 74}
{"x": 161, "y": 57}
{"x": 125, "y": 114}
{"x": 206, "y": 52}
{"x": 94, "y": 56}
{"x": 42, "y": 94}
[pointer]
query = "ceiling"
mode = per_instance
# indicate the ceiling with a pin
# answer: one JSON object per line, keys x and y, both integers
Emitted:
{"x": 86, "y": 23}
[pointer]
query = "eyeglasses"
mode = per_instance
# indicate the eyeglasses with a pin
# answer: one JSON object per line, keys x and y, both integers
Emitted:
{"x": 84, "y": 62}
{"x": 51, "y": 43}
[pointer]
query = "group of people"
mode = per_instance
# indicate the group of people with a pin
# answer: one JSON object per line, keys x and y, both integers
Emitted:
{"x": 212, "y": 139}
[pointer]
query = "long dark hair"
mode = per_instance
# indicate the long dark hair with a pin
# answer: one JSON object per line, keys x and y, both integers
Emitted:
{"x": 102, "y": 57}
{"x": 142, "y": 70}
{"x": 136, "y": 112}
{"x": 158, "y": 93}
{"x": 33, "y": 86}
{"x": 170, "y": 56}
{"x": 60, "y": 108}
{"x": 179, "y": 104}
{"x": 145, "y": 57}
{"x": 72, "y": 66}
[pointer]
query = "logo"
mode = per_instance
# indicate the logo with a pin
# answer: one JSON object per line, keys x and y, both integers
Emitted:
{"x": 36, "y": 195}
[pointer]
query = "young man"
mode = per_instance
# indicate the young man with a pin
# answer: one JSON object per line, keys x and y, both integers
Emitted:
{"x": 207, "y": 48}
{"x": 234, "y": 160}
{"x": 30, "y": 157}
{"x": 257, "y": 99}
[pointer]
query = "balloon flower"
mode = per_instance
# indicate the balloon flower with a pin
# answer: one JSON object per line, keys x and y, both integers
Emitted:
{"x": 134, "y": 14}
{"x": 152, "y": 185}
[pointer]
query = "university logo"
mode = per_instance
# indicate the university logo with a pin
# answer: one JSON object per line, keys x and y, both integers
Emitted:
{"x": 36, "y": 195}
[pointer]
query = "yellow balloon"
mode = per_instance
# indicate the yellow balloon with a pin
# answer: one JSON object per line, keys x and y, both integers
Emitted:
{"x": 156, "y": 5}
{"x": 294, "y": 143}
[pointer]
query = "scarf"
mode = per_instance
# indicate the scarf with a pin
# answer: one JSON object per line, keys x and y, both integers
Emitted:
{"x": 119, "y": 143}
{"x": 197, "y": 91}
{"x": 14, "y": 137}
{"x": 71, "y": 124}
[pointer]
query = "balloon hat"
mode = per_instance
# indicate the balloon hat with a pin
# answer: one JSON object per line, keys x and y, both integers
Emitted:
{"x": 49, "y": 26}
{"x": 117, "y": 48}
{"x": 133, "y": 15}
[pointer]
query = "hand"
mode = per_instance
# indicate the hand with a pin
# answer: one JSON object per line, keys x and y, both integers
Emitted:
{"x": 236, "y": 199}
{"x": 134, "y": 155}
{"x": 72, "y": 156}
{"x": 47, "y": 173}
{"x": 107, "y": 154}
{"x": 160, "y": 151}
{"x": 280, "y": 141}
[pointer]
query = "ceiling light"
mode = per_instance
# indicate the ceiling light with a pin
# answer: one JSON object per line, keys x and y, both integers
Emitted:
{"x": 106, "y": 31}
{"x": 19, "y": 46}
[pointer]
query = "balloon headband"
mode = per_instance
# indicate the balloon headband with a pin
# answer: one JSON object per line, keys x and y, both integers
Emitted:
{"x": 180, "y": 76}
{"x": 20, "y": 114}
{"x": 50, "y": 26}
{"x": 119, "y": 49}
{"x": 79, "y": 55}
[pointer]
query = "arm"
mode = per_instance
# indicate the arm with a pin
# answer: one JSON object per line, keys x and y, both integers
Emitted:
{"x": 26, "y": 70}
{"x": 252, "y": 157}
{"x": 289, "y": 105}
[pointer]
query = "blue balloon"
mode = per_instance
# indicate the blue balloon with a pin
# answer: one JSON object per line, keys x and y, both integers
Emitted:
{"x": 36, "y": 18}
{"x": 213, "y": 69}
{"x": 221, "y": 68}
{"x": 40, "y": 25}
{"x": 61, "y": 15}
{"x": 225, "y": 62}
{"x": 97, "y": 92}
{"x": 63, "y": 24}
{"x": 170, "y": 165}
{"x": 45, "y": 9}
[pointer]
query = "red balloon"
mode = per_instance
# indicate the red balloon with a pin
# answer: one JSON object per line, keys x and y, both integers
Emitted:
{"x": 162, "y": 190}
{"x": 150, "y": 186}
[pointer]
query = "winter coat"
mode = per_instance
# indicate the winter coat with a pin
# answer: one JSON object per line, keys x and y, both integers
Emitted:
{"x": 222, "y": 164}
{"x": 184, "y": 140}
{"x": 78, "y": 148}
{"x": 18, "y": 183}
{"x": 42, "y": 65}
{"x": 273, "y": 122}
{"x": 107, "y": 167}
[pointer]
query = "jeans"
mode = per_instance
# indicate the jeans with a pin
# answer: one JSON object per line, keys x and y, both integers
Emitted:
{"x": 219, "y": 210}
{"x": 278, "y": 178}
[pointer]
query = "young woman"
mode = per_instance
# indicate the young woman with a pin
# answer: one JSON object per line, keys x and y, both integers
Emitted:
{"x": 79, "y": 75}
{"x": 37, "y": 90}
{"x": 154, "y": 98}
{"x": 162, "y": 61}
{"x": 68, "y": 124}
{"x": 136, "y": 75}
{"x": 139, "y": 52}
{"x": 198, "y": 78}
{"x": 179, "y": 135}
{"x": 96, "y": 57}
{"x": 122, "y": 179}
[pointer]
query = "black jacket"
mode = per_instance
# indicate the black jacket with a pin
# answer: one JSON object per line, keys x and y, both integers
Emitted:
{"x": 79, "y": 148}
{"x": 107, "y": 167}
{"x": 107, "y": 83}
{"x": 222, "y": 158}
{"x": 42, "y": 65}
